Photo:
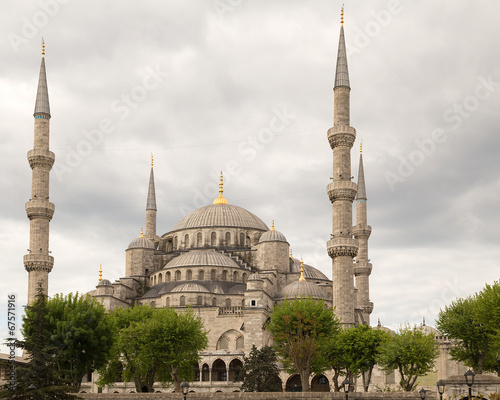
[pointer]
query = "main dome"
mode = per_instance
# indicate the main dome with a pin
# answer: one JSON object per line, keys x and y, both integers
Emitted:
{"x": 223, "y": 215}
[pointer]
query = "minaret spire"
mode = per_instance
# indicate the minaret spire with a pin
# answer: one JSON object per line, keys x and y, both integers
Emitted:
{"x": 38, "y": 262}
{"x": 362, "y": 231}
{"x": 342, "y": 247}
{"x": 151, "y": 206}
{"x": 220, "y": 199}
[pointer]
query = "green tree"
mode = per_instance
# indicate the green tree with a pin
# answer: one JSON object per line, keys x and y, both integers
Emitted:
{"x": 154, "y": 344}
{"x": 260, "y": 373}
{"x": 301, "y": 329}
{"x": 412, "y": 352}
{"x": 474, "y": 324}
{"x": 41, "y": 371}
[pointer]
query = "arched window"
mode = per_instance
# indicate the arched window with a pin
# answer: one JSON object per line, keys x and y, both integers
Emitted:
{"x": 212, "y": 275}
{"x": 196, "y": 370}
{"x": 242, "y": 239}
{"x": 213, "y": 239}
{"x": 189, "y": 275}
{"x": 224, "y": 275}
{"x": 228, "y": 239}
{"x": 199, "y": 301}
{"x": 219, "y": 371}
{"x": 214, "y": 302}
{"x": 160, "y": 278}
{"x": 168, "y": 277}
{"x": 223, "y": 343}
{"x": 228, "y": 302}
{"x": 235, "y": 367}
{"x": 235, "y": 276}
{"x": 240, "y": 342}
{"x": 244, "y": 277}
{"x": 186, "y": 241}
{"x": 205, "y": 373}
{"x": 177, "y": 275}
{"x": 182, "y": 301}
{"x": 167, "y": 302}
{"x": 199, "y": 239}
{"x": 201, "y": 275}
{"x": 155, "y": 280}
{"x": 175, "y": 243}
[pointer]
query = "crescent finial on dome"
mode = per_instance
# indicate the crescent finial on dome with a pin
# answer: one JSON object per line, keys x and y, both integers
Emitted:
{"x": 142, "y": 233}
{"x": 302, "y": 279}
{"x": 220, "y": 199}
{"x": 100, "y": 272}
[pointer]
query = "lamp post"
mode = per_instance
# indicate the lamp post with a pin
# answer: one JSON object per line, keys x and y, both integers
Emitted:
{"x": 346, "y": 384}
{"x": 469, "y": 380}
{"x": 422, "y": 393}
{"x": 184, "y": 389}
{"x": 31, "y": 388}
{"x": 440, "y": 387}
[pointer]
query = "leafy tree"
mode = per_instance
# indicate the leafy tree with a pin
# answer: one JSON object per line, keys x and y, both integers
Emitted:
{"x": 337, "y": 360}
{"x": 301, "y": 329}
{"x": 474, "y": 323}
{"x": 260, "y": 373}
{"x": 41, "y": 369}
{"x": 154, "y": 344}
{"x": 412, "y": 352}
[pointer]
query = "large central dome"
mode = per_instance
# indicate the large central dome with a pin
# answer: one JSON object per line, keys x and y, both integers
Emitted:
{"x": 225, "y": 215}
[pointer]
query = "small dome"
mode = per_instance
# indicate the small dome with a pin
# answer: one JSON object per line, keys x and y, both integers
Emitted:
{"x": 302, "y": 289}
{"x": 309, "y": 271}
{"x": 189, "y": 287}
{"x": 104, "y": 282}
{"x": 273, "y": 236}
{"x": 141, "y": 243}
{"x": 202, "y": 258}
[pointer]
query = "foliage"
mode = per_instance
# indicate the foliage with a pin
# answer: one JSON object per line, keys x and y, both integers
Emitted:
{"x": 412, "y": 352}
{"x": 301, "y": 329}
{"x": 41, "y": 369}
{"x": 154, "y": 344}
{"x": 260, "y": 372}
{"x": 474, "y": 323}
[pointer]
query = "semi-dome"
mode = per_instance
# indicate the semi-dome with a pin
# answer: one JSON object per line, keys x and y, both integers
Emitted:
{"x": 223, "y": 215}
{"x": 104, "y": 282}
{"x": 141, "y": 243}
{"x": 272, "y": 236}
{"x": 190, "y": 287}
{"x": 309, "y": 271}
{"x": 202, "y": 258}
{"x": 302, "y": 289}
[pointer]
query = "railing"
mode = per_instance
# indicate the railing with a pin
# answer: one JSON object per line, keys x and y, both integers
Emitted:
{"x": 235, "y": 310}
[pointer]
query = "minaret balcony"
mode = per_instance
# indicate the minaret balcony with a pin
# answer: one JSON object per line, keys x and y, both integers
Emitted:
{"x": 341, "y": 135}
{"x": 362, "y": 231}
{"x": 362, "y": 268}
{"x": 38, "y": 262}
{"x": 341, "y": 190}
{"x": 342, "y": 247}
{"x": 40, "y": 209}
{"x": 41, "y": 158}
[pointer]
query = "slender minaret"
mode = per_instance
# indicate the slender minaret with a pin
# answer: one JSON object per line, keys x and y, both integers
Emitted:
{"x": 362, "y": 231}
{"x": 38, "y": 262}
{"x": 342, "y": 247}
{"x": 151, "y": 207}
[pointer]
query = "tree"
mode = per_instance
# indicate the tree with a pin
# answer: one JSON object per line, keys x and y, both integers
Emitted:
{"x": 412, "y": 352}
{"x": 41, "y": 369}
{"x": 301, "y": 329}
{"x": 154, "y": 344}
{"x": 260, "y": 372}
{"x": 474, "y": 324}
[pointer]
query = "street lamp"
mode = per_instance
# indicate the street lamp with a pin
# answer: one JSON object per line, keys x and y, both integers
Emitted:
{"x": 346, "y": 384}
{"x": 440, "y": 387}
{"x": 185, "y": 389}
{"x": 31, "y": 388}
{"x": 469, "y": 380}
{"x": 422, "y": 393}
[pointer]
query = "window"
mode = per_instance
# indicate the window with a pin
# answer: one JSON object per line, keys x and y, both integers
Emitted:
{"x": 213, "y": 239}
{"x": 253, "y": 303}
{"x": 199, "y": 301}
{"x": 167, "y": 302}
{"x": 168, "y": 277}
{"x": 186, "y": 241}
{"x": 228, "y": 239}
{"x": 228, "y": 302}
{"x": 214, "y": 302}
{"x": 235, "y": 276}
{"x": 201, "y": 275}
{"x": 240, "y": 343}
{"x": 160, "y": 278}
{"x": 189, "y": 275}
{"x": 244, "y": 277}
{"x": 182, "y": 301}
{"x": 224, "y": 275}
{"x": 212, "y": 275}
{"x": 199, "y": 239}
{"x": 242, "y": 239}
{"x": 175, "y": 243}
{"x": 177, "y": 275}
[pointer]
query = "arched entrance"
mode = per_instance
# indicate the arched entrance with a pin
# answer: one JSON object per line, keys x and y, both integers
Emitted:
{"x": 219, "y": 371}
{"x": 205, "y": 373}
{"x": 320, "y": 383}
{"x": 293, "y": 384}
{"x": 234, "y": 369}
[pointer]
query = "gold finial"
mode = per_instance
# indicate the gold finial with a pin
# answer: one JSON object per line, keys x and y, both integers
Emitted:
{"x": 291, "y": 254}
{"x": 142, "y": 233}
{"x": 100, "y": 272}
{"x": 151, "y": 160}
{"x": 272, "y": 227}
{"x": 43, "y": 48}
{"x": 302, "y": 279}
{"x": 361, "y": 147}
{"x": 342, "y": 16}
{"x": 220, "y": 199}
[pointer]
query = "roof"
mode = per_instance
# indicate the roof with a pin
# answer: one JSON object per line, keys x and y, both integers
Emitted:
{"x": 309, "y": 271}
{"x": 190, "y": 287}
{"x": 42, "y": 94}
{"x": 151, "y": 203}
{"x": 202, "y": 258}
{"x": 342, "y": 73}
{"x": 220, "y": 215}
{"x": 302, "y": 289}
{"x": 141, "y": 243}
{"x": 361, "y": 193}
{"x": 219, "y": 287}
{"x": 272, "y": 236}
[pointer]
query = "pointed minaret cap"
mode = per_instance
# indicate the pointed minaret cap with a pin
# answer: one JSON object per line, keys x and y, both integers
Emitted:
{"x": 302, "y": 279}
{"x": 220, "y": 199}
{"x": 361, "y": 194}
{"x": 342, "y": 73}
{"x": 151, "y": 203}
{"x": 42, "y": 95}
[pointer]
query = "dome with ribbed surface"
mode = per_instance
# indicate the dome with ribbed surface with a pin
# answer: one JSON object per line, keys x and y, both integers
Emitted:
{"x": 226, "y": 215}
{"x": 141, "y": 243}
{"x": 302, "y": 289}
{"x": 203, "y": 258}
{"x": 272, "y": 236}
{"x": 309, "y": 271}
{"x": 190, "y": 287}
{"x": 104, "y": 282}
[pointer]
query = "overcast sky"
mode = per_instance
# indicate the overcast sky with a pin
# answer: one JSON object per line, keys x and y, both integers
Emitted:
{"x": 199, "y": 84}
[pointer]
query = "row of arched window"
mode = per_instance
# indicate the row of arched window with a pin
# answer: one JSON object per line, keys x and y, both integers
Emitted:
{"x": 199, "y": 275}
{"x": 219, "y": 372}
{"x": 197, "y": 241}
{"x": 199, "y": 302}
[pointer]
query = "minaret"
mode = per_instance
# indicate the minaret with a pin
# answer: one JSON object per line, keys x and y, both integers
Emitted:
{"x": 362, "y": 231}
{"x": 151, "y": 206}
{"x": 342, "y": 247}
{"x": 38, "y": 262}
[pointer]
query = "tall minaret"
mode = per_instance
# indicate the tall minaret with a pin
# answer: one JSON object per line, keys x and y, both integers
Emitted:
{"x": 38, "y": 262}
{"x": 342, "y": 247}
{"x": 151, "y": 207}
{"x": 362, "y": 231}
